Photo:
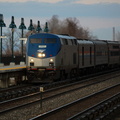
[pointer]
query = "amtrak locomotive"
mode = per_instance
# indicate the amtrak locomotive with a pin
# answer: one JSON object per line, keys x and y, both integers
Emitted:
{"x": 51, "y": 57}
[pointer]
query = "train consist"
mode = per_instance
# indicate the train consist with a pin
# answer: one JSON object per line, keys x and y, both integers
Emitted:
{"x": 53, "y": 57}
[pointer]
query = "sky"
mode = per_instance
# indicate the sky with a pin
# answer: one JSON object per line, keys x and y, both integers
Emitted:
{"x": 100, "y": 16}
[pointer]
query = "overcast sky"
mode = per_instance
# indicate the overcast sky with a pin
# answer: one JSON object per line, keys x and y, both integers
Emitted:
{"x": 100, "y": 16}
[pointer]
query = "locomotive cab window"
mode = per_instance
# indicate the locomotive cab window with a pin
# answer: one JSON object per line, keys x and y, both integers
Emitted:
{"x": 35, "y": 40}
{"x": 49, "y": 40}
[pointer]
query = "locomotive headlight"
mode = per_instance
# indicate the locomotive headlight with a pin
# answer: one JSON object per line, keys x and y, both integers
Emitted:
{"x": 39, "y": 54}
{"x": 43, "y": 54}
{"x": 31, "y": 60}
{"x": 51, "y": 63}
{"x": 51, "y": 60}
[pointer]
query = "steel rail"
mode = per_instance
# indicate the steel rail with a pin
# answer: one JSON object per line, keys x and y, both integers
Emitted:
{"x": 57, "y": 110}
{"x": 94, "y": 107}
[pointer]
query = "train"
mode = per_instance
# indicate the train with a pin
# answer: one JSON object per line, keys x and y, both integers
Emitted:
{"x": 52, "y": 57}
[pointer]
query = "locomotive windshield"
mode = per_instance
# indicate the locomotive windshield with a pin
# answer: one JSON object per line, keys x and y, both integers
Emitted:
{"x": 35, "y": 40}
{"x": 49, "y": 40}
{"x": 45, "y": 40}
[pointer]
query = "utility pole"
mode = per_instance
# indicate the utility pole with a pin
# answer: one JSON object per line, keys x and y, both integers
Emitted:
{"x": 113, "y": 33}
{"x": 12, "y": 26}
{"x": 2, "y": 24}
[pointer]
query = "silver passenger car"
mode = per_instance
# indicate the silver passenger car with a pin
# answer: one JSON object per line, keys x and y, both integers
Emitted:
{"x": 86, "y": 53}
{"x": 114, "y": 53}
{"x": 101, "y": 53}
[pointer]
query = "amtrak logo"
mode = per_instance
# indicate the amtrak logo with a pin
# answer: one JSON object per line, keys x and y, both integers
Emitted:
{"x": 41, "y": 51}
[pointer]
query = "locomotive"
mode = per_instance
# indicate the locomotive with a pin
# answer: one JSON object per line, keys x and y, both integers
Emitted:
{"x": 51, "y": 57}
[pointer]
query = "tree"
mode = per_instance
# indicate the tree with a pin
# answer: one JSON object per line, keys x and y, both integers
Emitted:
{"x": 70, "y": 26}
{"x": 54, "y": 24}
{"x": 7, "y": 43}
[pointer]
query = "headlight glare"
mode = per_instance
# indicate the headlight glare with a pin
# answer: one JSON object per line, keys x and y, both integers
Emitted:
{"x": 41, "y": 54}
{"x": 31, "y": 60}
{"x": 51, "y": 60}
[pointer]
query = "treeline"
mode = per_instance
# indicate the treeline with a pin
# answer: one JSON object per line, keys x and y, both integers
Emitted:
{"x": 70, "y": 26}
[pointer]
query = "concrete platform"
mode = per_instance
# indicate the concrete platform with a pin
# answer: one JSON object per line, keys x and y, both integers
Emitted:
{"x": 12, "y": 74}
{"x": 12, "y": 68}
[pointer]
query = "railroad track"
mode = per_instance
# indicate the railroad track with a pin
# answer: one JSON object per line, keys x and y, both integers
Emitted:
{"x": 108, "y": 109}
{"x": 60, "y": 96}
{"x": 17, "y": 91}
{"x": 82, "y": 104}
{"x": 22, "y": 90}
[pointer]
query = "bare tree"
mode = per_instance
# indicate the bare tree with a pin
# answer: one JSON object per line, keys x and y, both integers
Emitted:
{"x": 7, "y": 43}
{"x": 70, "y": 26}
{"x": 55, "y": 25}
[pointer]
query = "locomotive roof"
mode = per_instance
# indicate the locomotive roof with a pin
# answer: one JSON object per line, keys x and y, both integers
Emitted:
{"x": 99, "y": 42}
{"x": 84, "y": 41}
{"x": 50, "y": 34}
{"x": 113, "y": 42}
{"x": 65, "y": 36}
